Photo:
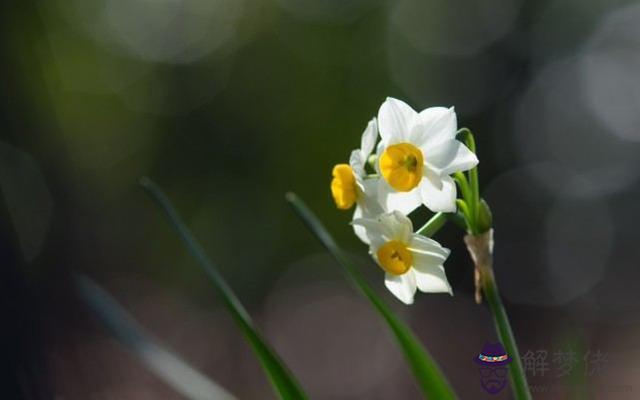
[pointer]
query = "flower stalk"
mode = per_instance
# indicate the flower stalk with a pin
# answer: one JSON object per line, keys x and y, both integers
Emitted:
{"x": 479, "y": 242}
{"x": 481, "y": 250}
{"x": 433, "y": 225}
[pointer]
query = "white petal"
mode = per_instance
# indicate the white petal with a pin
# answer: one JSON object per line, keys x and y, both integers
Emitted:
{"x": 376, "y": 232}
{"x": 357, "y": 163}
{"x": 369, "y": 137}
{"x": 399, "y": 225}
{"x": 431, "y": 278}
{"x": 368, "y": 197}
{"x": 428, "y": 247}
{"x": 358, "y": 229}
{"x": 402, "y": 286}
{"x": 405, "y": 202}
{"x": 432, "y": 176}
{"x": 449, "y": 157}
{"x": 434, "y": 126}
{"x": 394, "y": 120}
{"x": 367, "y": 206}
{"x": 439, "y": 200}
{"x": 379, "y": 150}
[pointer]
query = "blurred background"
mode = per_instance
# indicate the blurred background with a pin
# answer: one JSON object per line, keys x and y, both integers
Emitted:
{"x": 228, "y": 104}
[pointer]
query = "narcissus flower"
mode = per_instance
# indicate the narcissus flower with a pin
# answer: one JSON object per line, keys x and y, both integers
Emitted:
{"x": 409, "y": 260}
{"x": 350, "y": 184}
{"x": 416, "y": 155}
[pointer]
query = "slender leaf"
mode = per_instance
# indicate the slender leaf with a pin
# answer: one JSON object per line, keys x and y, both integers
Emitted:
{"x": 281, "y": 378}
{"x": 430, "y": 380}
{"x": 183, "y": 378}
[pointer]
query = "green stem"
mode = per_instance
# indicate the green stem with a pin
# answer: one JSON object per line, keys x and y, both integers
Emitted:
{"x": 462, "y": 206}
{"x": 479, "y": 245}
{"x": 433, "y": 225}
{"x": 480, "y": 249}
{"x": 501, "y": 320}
{"x": 474, "y": 187}
{"x": 475, "y": 192}
{"x": 463, "y": 184}
{"x": 468, "y": 196}
{"x": 467, "y": 136}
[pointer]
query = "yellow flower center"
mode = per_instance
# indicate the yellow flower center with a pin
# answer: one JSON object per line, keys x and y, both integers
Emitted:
{"x": 394, "y": 257}
{"x": 343, "y": 186}
{"x": 401, "y": 166}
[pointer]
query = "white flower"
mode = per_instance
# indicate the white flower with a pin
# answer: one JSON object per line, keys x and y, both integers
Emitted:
{"x": 416, "y": 155}
{"x": 350, "y": 184}
{"x": 409, "y": 260}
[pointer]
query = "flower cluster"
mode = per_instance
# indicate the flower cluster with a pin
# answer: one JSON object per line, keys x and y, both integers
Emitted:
{"x": 412, "y": 166}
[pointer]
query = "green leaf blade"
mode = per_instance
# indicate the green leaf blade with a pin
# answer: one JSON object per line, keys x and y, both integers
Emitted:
{"x": 174, "y": 371}
{"x": 281, "y": 378}
{"x": 429, "y": 378}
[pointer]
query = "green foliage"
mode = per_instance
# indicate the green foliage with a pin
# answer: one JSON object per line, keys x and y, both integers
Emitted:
{"x": 281, "y": 378}
{"x": 429, "y": 378}
{"x": 174, "y": 371}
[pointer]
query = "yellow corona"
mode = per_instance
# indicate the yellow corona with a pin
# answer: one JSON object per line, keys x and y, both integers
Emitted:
{"x": 401, "y": 166}
{"x": 394, "y": 257}
{"x": 343, "y": 186}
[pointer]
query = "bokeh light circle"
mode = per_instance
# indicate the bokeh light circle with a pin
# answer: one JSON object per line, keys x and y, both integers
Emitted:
{"x": 551, "y": 248}
{"x": 453, "y": 27}
{"x": 610, "y": 72}
{"x": 552, "y": 123}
